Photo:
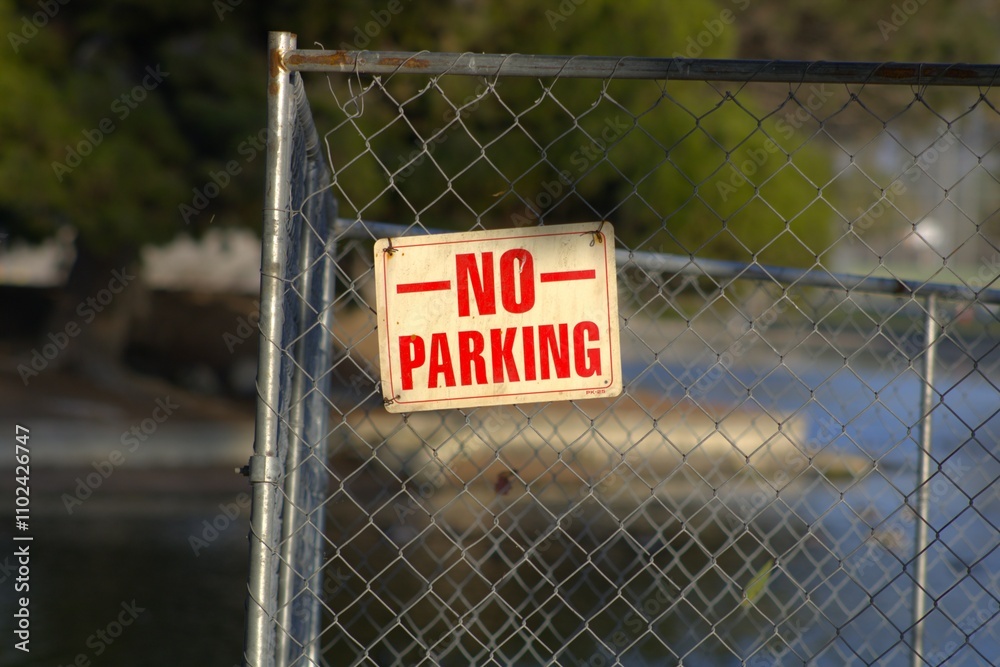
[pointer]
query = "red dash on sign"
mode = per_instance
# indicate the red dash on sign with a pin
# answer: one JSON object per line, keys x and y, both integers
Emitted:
{"x": 558, "y": 276}
{"x": 435, "y": 286}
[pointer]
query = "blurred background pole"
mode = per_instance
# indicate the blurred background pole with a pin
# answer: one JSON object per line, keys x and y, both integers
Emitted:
{"x": 923, "y": 483}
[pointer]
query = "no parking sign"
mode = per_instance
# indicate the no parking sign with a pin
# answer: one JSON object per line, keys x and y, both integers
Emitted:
{"x": 495, "y": 317}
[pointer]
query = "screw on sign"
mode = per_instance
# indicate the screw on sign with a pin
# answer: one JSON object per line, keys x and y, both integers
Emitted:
{"x": 528, "y": 315}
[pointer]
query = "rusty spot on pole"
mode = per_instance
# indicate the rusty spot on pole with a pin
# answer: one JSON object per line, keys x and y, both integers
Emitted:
{"x": 925, "y": 73}
{"x": 897, "y": 72}
{"x": 276, "y": 66}
{"x": 342, "y": 58}
{"x": 333, "y": 59}
{"x": 408, "y": 63}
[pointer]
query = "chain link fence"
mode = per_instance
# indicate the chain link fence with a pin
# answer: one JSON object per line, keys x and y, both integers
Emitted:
{"x": 802, "y": 467}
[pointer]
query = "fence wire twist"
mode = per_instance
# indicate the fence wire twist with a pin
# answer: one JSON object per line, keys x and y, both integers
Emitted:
{"x": 803, "y": 466}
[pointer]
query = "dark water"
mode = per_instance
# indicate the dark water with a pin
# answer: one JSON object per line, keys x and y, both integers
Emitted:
{"x": 624, "y": 577}
{"x": 643, "y": 586}
{"x": 118, "y": 582}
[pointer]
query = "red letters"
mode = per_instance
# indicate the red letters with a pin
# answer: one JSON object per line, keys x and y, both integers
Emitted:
{"x": 411, "y": 355}
{"x": 588, "y": 362}
{"x": 517, "y": 282}
{"x": 514, "y": 354}
{"x": 529, "y": 352}
{"x": 470, "y": 353}
{"x": 482, "y": 284}
{"x": 558, "y": 352}
{"x": 503, "y": 354}
{"x": 523, "y": 278}
{"x": 440, "y": 362}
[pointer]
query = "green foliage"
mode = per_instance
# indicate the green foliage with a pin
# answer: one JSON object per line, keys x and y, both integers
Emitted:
{"x": 681, "y": 167}
{"x": 31, "y": 119}
{"x": 662, "y": 160}
{"x": 111, "y": 128}
{"x": 902, "y": 31}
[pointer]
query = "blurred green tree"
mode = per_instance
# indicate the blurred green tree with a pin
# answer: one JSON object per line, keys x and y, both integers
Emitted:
{"x": 904, "y": 31}
{"x": 116, "y": 115}
{"x": 678, "y": 166}
{"x": 123, "y": 118}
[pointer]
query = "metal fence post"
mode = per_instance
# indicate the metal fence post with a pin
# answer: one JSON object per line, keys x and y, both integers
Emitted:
{"x": 301, "y": 566}
{"x": 265, "y": 465}
{"x": 923, "y": 478}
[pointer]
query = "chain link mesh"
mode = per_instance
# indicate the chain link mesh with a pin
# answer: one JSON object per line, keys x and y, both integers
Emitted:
{"x": 797, "y": 265}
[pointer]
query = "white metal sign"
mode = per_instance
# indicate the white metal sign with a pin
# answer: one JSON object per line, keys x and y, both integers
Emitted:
{"x": 493, "y": 317}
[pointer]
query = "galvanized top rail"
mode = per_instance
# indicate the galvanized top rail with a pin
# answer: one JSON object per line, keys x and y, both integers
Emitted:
{"x": 609, "y": 67}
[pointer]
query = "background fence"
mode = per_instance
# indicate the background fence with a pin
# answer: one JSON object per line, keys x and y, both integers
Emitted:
{"x": 803, "y": 465}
